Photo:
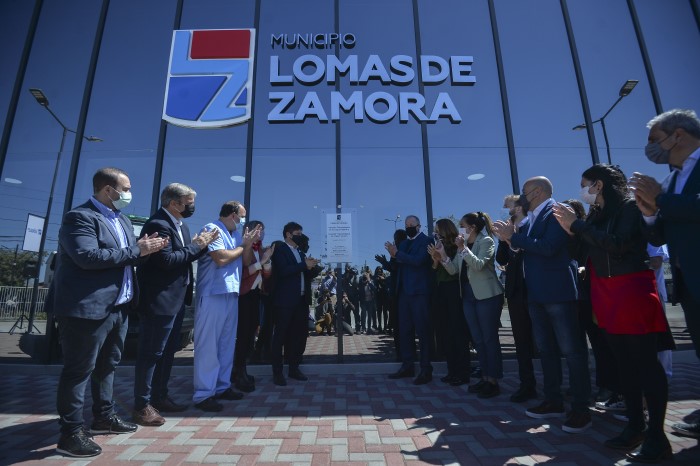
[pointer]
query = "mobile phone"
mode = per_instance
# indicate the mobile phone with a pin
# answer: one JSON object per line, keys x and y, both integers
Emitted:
{"x": 463, "y": 232}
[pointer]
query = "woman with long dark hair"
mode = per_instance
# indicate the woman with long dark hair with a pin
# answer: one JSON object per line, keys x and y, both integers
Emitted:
{"x": 625, "y": 303}
{"x": 448, "y": 303}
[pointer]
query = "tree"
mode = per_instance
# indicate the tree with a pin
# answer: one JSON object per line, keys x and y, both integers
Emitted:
{"x": 13, "y": 264}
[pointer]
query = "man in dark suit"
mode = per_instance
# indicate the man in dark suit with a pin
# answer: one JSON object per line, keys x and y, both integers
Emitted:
{"x": 414, "y": 277}
{"x": 292, "y": 273}
{"x": 93, "y": 289}
{"x": 516, "y": 294}
{"x": 672, "y": 211}
{"x": 166, "y": 283}
{"x": 550, "y": 277}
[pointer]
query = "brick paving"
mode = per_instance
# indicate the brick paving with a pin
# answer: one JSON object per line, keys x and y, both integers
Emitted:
{"x": 358, "y": 418}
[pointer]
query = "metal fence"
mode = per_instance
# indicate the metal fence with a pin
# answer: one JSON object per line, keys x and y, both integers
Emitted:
{"x": 16, "y": 300}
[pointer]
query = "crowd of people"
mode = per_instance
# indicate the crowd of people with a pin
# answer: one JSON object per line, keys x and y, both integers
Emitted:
{"x": 569, "y": 274}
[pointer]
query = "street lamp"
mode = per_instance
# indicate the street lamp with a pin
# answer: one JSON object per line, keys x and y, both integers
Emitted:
{"x": 624, "y": 92}
{"x": 44, "y": 102}
{"x": 395, "y": 220}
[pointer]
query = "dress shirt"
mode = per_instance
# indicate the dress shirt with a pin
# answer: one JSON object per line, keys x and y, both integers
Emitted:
{"x": 532, "y": 216}
{"x": 126, "y": 293}
{"x": 295, "y": 251}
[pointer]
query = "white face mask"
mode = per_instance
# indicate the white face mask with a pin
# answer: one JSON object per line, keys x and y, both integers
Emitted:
{"x": 588, "y": 198}
{"x": 123, "y": 201}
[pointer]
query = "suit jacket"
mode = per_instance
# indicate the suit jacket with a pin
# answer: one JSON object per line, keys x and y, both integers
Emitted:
{"x": 513, "y": 262}
{"x": 550, "y": 273}
{"x": 414, "y": 266}
{"x": 481, "y": 270}
{"x": 286, "y": 272}
{"x": 163, "y": 278}
{"x": 676, "y": 226}
{"x": 90, "y": 264}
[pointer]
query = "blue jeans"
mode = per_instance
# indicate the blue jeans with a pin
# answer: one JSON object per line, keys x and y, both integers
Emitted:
{"x": 484, "y": 319}
{"x": 159, "y": 337}
{"x": 92, "y": 349}
{"x": 555, "y": 327}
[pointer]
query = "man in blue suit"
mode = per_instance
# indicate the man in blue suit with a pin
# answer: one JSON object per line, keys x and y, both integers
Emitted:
{"x": 292, "y": 273}
{"x": 93, "y": 289}
{"x": 672, "y": 212}
{"x": 414, "y": 278}
{"x": 550, "y": 278}
{"x": 166, "y": 283}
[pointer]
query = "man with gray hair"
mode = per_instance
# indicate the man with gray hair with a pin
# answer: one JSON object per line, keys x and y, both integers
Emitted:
{"x": 671, "y": 212}
{"x": 166, "y": 284}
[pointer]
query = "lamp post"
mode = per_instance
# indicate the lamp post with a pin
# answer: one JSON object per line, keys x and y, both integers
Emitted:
{"x": 624, "y": 92}
{"x": 395, "y": 220}
{"x": 44, "y": 102}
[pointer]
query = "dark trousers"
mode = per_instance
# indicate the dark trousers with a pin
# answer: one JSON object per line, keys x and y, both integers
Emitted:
{"x": 413, "y": 315}
{"x": 159, "y": 340}
{"x": 264, "y": 342}
{"x": 248, "y": 321}
{"x": 456, "y": 342}
{"x": 357, "y": 316}
{"x": 691, "y": 309}
{"x": 521, "y": 325}
{"x": 641, "y": 376}
{"x": 290, "y": 333}
{"x": 606, "y": 375}
{"x": 92, "y": 349}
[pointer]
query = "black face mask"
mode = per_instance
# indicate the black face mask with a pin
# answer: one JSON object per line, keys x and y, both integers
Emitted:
{"x": 524, "y": 204}
{"x": 188, "y": 212}
{"x": 411, "y": 231}
{"x": 302, "y": 242}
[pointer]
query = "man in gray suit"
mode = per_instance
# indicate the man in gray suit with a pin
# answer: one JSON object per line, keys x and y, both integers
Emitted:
{"x": 94, "y": 286}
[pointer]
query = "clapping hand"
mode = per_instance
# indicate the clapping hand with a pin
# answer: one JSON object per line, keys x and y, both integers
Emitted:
{"x": 148, "y": 244}
{"x": 565, "y": 215}
{"x": 205, "y": 238}
{"x": 268, "y": 255}
{"x": 391, "y": 248}
{"x": 645, "y": 189}
{"x": 504, "y": 230}
{"x": 251, "y": 236}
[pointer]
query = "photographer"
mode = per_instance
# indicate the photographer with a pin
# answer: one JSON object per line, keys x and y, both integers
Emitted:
{"x": 343, "y": 310}
{"x": 352, "y": 289}
{"x": 324, "y": 314}
{"x": 368, "y": 293}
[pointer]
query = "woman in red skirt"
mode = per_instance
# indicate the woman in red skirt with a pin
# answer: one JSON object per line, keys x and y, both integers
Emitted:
{"x": 625, "y": 304}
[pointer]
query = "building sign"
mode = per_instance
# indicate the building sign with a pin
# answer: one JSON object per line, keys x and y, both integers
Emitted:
{"x": 32, "y": 233}
{"x": 210, "y": 78}
{"x": 210, "y": 81}
{"x": 338, "y": 238}
{"x": 398, "y": 71}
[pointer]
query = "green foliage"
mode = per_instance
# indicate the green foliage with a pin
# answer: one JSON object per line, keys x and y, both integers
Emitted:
{"x": 12, "y": 266}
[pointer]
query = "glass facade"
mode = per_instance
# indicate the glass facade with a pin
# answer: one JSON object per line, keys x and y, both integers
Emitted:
{"x": 380, "y": 171}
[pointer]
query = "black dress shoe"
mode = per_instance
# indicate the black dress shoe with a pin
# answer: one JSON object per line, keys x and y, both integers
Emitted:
{"x": 296, "y": 374}
{"x": 112, "y": 425}
{"x": 168, "y": 405}
{"x": 523, "y": 394}
{"x": 423, "y": 378}
{"x": 457, "y": 381}
{"x": 627, "y": 440}
{"x": 244, "y": 386}
{"x": 278, "y": 379}
{"x": 402, "y": 373}
{"x": 687, "y": 430}
{"x": 209, "y": 405}
{"x": 652, "y": 451}
{"x": 78, "y": 445}
{"x": 476, "y": 387}
{"x": 489, "y": 390}
{"x": 230, "y": 394}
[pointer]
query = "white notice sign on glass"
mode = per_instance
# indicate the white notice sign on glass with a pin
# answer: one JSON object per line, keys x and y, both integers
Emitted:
{"x": 339, "y": 237}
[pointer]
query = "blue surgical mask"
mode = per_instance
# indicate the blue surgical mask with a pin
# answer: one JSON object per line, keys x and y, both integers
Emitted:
{"x": 657, "y": 154}
{"x": 123, "y": 201}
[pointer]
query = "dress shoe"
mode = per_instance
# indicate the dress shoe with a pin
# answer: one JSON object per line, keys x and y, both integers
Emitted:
{"x": 401, "y": 373}
{"x": 523, "y": 394}
{"x": 652, "y": 451}
{"x": 423, "y": 378}
{"x": 627, "y": 440}
{"x": 112, "y": 425}
{"x": 458, "y": 381}
{"x": 209, "y": 405}
{"x": 148, "y": 416}
{"x": 603, "y": 394}
{"x": 230, "y": 394}
{"x": 244, "y": 383}
{"x": 477, "y": 387}
{"x": 296, "y": 374}
{"x": 687, "y": 430}
{"x": 278, "y": 379}
{"x": 78, "y": 445}
{"x": 168, "y": 405}
{"x": 489, "y": 390}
